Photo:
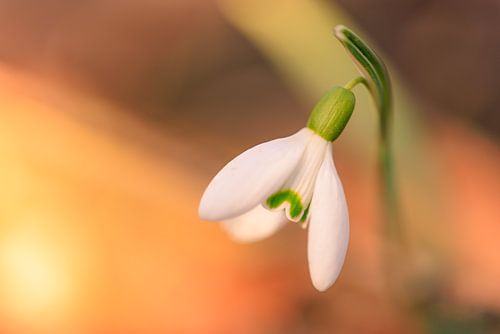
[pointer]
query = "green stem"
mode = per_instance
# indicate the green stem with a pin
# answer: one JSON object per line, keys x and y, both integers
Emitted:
{"x": 377, "y": 81}
{"x": 351, "y": 84}
{"x": 398, "y": 259}
{"x": 391, "y": 204}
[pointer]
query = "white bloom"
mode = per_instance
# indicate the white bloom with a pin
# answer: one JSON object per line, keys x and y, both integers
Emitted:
{"x": 287, "y": 179}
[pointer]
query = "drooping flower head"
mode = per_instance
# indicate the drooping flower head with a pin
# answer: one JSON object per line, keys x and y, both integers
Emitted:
{"x": 294, "y": 178}
{"x": 290, "y": 179}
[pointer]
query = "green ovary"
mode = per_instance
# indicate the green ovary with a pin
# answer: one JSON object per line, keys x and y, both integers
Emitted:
{"x": 331, "y": 114}
{"x": 290, "y": 196}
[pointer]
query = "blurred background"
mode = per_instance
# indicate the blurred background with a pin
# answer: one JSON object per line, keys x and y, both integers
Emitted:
{"x": 114, "y": 116}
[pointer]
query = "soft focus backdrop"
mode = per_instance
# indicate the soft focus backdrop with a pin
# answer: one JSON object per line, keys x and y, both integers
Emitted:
{"x": 114, "y": 116}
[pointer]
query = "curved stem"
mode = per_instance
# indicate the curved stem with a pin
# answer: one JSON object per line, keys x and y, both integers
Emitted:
{"x": 351, "y": 84}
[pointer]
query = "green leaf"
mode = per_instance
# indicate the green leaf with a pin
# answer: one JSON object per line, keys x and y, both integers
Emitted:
{"x": 371, "y": 67}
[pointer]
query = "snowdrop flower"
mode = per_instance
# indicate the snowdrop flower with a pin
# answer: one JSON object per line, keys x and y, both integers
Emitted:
{"x": 290, "y": 179}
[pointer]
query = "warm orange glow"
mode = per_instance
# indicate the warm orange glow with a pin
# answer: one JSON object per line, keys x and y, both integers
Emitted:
{"x": 115, "y": 115}
{"x": 35, "y": 280}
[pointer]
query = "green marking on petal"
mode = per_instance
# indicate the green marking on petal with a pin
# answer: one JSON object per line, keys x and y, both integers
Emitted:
{"x": 306, "y": 213}
{"x": 290, "y": 196}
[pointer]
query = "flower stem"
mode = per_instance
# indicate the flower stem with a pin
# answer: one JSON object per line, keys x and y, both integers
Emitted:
{"x": 397, "y": 254}
{"x": 351, "y": 84}
{"x": 376, "y": 79}
{"x": 386, "y": 165}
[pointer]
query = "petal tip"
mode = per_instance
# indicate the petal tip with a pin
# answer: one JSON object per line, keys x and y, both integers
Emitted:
{"x": 206, "y": 211}
{"x": 323, "y": 283}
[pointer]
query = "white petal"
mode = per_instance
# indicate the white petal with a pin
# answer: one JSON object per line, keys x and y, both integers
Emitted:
{"x": 257, "y": 224}
{"x": 303, "y": 178}
{"x": 328, "y": 228}
{"x": 251, "y": 177}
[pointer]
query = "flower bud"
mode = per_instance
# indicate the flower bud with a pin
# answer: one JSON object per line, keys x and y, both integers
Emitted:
{"x": 331, "y": 114}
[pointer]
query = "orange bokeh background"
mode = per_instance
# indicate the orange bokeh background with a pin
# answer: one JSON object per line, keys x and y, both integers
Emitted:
{"x": 114, "y": 117}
